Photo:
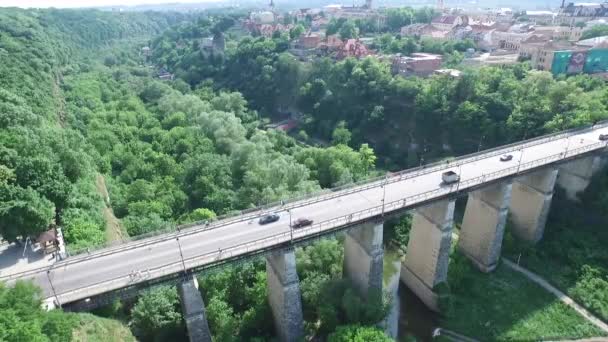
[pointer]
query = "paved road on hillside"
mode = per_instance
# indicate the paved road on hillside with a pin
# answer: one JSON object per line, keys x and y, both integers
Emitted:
{"x": 80, "y": 277}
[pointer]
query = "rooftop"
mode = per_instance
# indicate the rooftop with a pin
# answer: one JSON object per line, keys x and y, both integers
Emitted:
{"x": 593, "y": 42}
{"x": 445, "y": 19}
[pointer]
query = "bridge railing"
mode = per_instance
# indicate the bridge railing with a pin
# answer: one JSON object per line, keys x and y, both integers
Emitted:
{"x": 317, "y": 228}
{"x": 307, "y": 199}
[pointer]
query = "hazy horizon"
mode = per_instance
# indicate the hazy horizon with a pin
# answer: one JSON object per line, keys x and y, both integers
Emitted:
{"x": 91, "y": 3}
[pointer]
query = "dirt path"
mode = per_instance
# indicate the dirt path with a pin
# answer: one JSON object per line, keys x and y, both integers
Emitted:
{"x": 114, "y": 229}
{"x": 559, "y": 294}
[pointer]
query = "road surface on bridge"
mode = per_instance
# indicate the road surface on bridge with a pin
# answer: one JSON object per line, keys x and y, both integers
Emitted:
{"x": 81, "y": 277}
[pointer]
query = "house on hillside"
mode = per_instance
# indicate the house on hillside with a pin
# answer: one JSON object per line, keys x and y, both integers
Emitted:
{"x": 418, "y": 64}
{"x": 416, "y": 30}
{"x": 308, "y": 40}
{"x": 353, "y": 48}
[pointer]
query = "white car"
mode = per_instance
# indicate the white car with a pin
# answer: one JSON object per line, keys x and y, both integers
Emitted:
{"x": 506, "y": 157}
{"x": 450, "y": 177}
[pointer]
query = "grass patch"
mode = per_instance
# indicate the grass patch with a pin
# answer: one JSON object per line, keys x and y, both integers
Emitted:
{"x": 506, "y": 306}
{"x": 572, "y": 254}
{"x": 91, "y": 328}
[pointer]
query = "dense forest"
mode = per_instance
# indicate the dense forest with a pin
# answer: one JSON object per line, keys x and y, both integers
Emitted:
{"x": 78, "y": 102}
{"x": 170, "y": 154}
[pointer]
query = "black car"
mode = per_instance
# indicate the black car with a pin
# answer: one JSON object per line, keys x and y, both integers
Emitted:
{"x": 603, "y": 137}
{"x": 269, "y": 218}
{"x": 301, "y": 222}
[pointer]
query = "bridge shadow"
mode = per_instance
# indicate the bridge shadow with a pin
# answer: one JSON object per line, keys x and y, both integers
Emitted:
{"x": 13, "y": 259}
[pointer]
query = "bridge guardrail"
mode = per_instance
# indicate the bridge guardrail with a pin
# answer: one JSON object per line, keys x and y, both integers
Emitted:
{"x": 324, "y": 195}
{"x": 244, "y": 248}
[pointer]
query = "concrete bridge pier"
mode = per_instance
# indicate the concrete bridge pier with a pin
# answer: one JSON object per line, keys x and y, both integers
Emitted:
{"x": 575, "y": 176}
{"x": 363, "y": 257}
{"x": 483, "y": 225}
{"x": 193, "y": 310}
{"x": 284, "y": 295}
{"x": 530, "y": 203}
{"x": 428, "y": 251}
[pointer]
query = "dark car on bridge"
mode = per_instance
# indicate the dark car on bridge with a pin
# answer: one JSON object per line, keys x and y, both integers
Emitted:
{"x": 266, "y": 219}
{"x": 603, "y": 137}
{"x": 301, "y": 222}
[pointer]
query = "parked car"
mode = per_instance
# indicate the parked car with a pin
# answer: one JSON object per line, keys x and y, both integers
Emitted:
{"x": 506, "y": 157}
{"x": 301, "y": 222}
{"x": 269, "y": 218}
{"x": 450, "y": 177}
{"x": 603, "y": 137}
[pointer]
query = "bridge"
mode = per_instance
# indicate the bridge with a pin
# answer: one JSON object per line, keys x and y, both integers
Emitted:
{"x": 522, "y": 186}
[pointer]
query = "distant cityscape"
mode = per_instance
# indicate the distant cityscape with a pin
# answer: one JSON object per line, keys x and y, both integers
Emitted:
{"x": 549, "y": 39}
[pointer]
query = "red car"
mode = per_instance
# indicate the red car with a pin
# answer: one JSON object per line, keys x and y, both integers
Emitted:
{"x": 301, "y": 222}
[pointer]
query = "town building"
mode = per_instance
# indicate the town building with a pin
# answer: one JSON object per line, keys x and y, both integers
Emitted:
{"x": 353, "y": 48}
{"x": 571, "y": 33}
{"x": 581, "y": 12}
{"x": 541, "y": 17}
{"x": 542, "y": 54}
{"x": 530, "y": 45}
{"x": 507, "y": 40}
{"x": 263, "y": 17}
{"x": 448, "y": 22}
{"x": 580, "y": 60}
{"x": 495, "y": 58}
{"x": 418, "y": 64}
{"x": 448, "y": 72}
{"x": 334, "y": 42}
{"x": 416, "y": 30}
{"x": 597, "y": 42}
{"x": 308, "y": 40}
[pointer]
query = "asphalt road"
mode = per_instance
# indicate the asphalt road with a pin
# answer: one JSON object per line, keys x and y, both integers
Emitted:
{"x": 83, "y": 276}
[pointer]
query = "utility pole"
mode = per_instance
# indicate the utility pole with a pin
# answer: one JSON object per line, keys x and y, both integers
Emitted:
{"x": 48, "y": 276}
{"x": 181, "y": 254}
{"x": 384, "y": 193}
{"x": 521, "y": 155}
{"x": 480, "y": 140}
{"x": 459, "y": 177}
{"x": 290, "y": 227}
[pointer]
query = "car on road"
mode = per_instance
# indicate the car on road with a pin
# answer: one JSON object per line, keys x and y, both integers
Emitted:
{"x": 269, "y": 218}
{"x": 603, "y": 137}
{"x": 301, "y": 222}
{"x": 450, "y": 177}
{"x": 506, "y": 157}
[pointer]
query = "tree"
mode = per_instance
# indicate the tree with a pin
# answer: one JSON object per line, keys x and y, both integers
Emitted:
{"x": 349, "y": 30}
{"x": 341, "y": 134}
{"x": 23, "y": 212}
{"x": 199, "y": 214}
{"x": 156, "y": 316}
{"x": 368, "y": 158}
{"x": 399, "y": 17}
{"x": 356, "y": 333}
{"x": 595, "y": 31}
{"x": 296, "y": 32}
{"x": 23, "y": 319}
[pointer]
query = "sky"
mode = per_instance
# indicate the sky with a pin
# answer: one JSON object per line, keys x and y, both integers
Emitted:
{"x": 86, "y": 3}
